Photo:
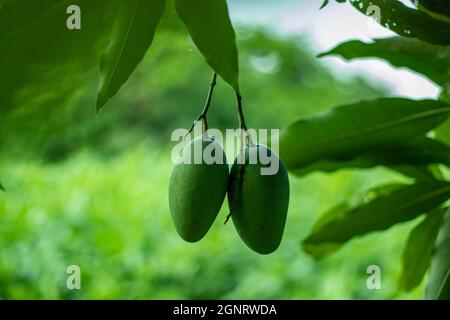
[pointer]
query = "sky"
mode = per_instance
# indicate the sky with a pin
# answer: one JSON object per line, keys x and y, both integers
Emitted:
{"x": 325, "y": 29}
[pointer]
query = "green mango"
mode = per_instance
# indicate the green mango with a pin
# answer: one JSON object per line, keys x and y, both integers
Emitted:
{"x": 259, "y": 203}
{"x": 197, "y": 190}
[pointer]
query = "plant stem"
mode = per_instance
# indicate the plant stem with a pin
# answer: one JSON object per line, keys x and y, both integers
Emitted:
{"x": 242, "y": 124}
{"x": 203, "y": 116}
{"x": 244, "y": 132}
{"x": 204, "y": 113}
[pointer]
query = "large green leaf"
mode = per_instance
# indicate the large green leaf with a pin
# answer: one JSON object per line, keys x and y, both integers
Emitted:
{"x": 420, "y": 152}
{"x": 346, "y": 132}
{"x": 400, "y": 205}
{"x": 15, "y": 14}
{"x": 430, "y": 60}
{"x": 407, "y": 22}
{"x": 211, "y": 30}
{"x": 43, "y": 54}
{"x": 438, "y": 286}
{"x": 419, "y": 249}
{"x": 133, "y": 34}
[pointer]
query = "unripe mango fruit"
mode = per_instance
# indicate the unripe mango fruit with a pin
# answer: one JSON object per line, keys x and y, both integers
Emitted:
{"x": 259, "y": 203}
{"x": 197, "y": 190}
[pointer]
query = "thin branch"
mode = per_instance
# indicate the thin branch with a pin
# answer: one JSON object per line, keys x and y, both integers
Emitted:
{"x": 212, "y": 85}
{"x": 203, "y": 116}
{"x": 244, "y": 132}
{"x": 242, "y": 124}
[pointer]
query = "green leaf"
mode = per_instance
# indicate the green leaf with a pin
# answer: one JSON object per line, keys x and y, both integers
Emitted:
{"x": 438, "y": 286}
{"x": 405, "y": 21}
{"x": 15, "y": 14}
{"x": 42, "y": 53}
{"x": 430, "y": 60}
{"x": 133, "y": 34}
{"x": 421, "y": 152}
{"x": 443, "y": 132}
{"x": 2, "y": 188}
{"x": 325, "y": 3}
{"x": 429, "y": 154}
{"x": 436, "y": 8}
{"x": 349, "y": 131}
{"x": 415, "y": 172}
{"x": 211, "y": 30}
{"x": 445, "y": 93}
{"x": 340, "y": 209}
{"x": 391, "y": 208}
{"x": 419, "y": 249}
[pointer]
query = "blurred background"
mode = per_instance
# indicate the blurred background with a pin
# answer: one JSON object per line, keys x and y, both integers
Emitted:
{"x": 91, "y": 190}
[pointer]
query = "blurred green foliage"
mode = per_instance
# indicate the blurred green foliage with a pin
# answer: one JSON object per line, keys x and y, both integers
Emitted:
{"x": 110, "y": 217}
{"x": 92, "y": 190}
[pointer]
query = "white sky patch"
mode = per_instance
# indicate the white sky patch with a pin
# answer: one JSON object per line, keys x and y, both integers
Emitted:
{"x": 328, "y": 27}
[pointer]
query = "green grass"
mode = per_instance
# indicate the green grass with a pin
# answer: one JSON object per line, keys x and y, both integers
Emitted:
{"x": 111, "y": 217}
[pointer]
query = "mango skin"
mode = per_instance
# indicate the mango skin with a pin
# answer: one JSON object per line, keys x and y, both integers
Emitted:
{"x": 259, "y": 208}
{"x": 197, "y": 192}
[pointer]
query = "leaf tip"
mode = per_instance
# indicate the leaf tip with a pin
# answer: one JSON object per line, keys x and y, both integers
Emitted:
{"x": 100, "y": 104}
{"x": 319, "y": 250}
{"x": 324, "y": 4}
{"x": 309, "y": 249}
{"x": 323, "y": 54}
{"x": 98, "y": 110}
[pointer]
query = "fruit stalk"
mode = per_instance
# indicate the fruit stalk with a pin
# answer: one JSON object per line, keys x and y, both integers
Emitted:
{"x": 203, "y": 116}
{"x": 244, "y": 132}
{"x": 242, "y": 124}
{"x": 204, "y": 113}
